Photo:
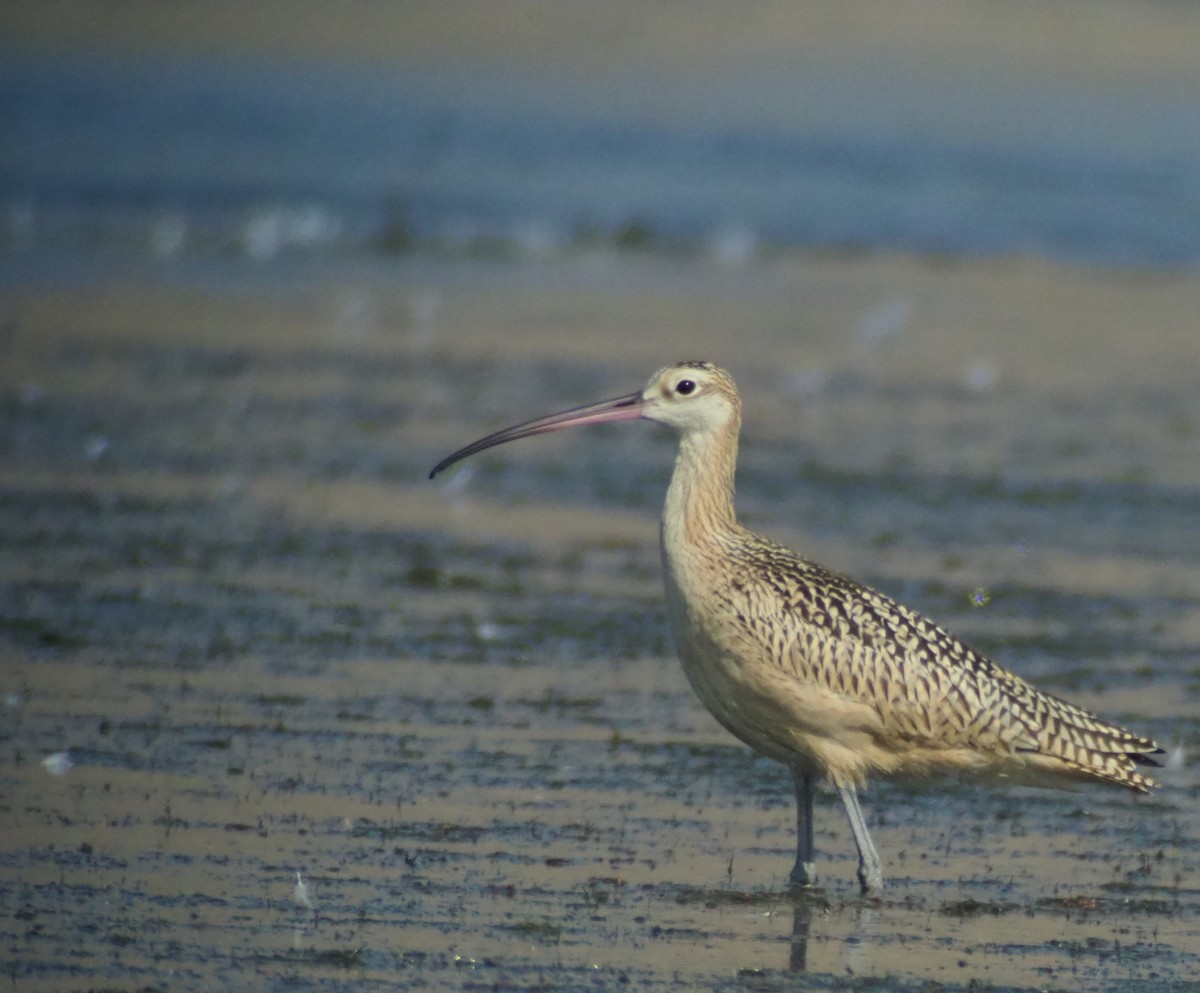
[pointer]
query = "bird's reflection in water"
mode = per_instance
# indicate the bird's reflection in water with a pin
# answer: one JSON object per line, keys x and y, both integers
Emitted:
{"x": 802, "y": 915}
{"x": 810, "y": 904}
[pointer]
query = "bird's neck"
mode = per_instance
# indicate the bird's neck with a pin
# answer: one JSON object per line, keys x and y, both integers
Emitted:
{"x": 699, "y": 505}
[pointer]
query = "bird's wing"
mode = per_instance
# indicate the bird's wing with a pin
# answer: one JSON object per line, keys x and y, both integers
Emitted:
{"x": 925, "y": 684}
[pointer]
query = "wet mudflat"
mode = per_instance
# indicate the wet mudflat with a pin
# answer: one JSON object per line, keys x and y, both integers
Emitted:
{"x": 328, "y": 724}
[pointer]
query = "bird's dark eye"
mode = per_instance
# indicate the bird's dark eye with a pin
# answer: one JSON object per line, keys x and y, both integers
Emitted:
{"x": 685, "y": 387}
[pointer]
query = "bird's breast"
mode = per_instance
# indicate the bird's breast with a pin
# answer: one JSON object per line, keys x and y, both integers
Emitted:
{"x": 730, "y": 663}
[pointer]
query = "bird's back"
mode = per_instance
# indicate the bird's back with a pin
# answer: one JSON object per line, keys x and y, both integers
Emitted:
{"x": 813, "y": 668}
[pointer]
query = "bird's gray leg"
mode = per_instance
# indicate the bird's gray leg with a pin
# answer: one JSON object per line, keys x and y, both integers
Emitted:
{"x": 870, "y": 873}
{"x": 804, "y": 872}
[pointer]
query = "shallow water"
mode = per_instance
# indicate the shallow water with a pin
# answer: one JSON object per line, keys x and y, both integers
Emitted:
{"x": 269, "y": 647}
{"x": 177, "y": 163}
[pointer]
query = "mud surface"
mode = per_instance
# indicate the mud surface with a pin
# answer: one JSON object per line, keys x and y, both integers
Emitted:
{"x": 333, "y": 726}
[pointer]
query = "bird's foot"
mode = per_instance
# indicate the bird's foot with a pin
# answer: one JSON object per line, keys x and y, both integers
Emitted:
{"x": 870, "y": 878}
{"x": 803, "y": 874}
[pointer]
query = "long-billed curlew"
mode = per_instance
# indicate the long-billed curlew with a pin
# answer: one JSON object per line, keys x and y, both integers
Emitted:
{"x": 811, "y": 669}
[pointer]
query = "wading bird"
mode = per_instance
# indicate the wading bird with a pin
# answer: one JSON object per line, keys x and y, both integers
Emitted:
{"x": 817, "y": 671}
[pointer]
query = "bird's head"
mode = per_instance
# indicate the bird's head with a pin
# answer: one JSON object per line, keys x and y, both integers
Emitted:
{"x": 692, "y": 397}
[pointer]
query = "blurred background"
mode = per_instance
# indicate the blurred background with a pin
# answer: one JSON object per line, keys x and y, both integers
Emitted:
{"x": 193, "y": 141}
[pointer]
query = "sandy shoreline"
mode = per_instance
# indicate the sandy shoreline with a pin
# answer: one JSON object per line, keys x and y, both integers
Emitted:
{"x": 1049, "y": 324}
{"x": 792, "y": 322}
{"x": 270, "y": 644}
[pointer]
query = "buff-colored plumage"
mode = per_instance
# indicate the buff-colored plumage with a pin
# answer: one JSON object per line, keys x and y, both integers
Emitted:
{"x": 825, "y": 675}
{"x": 897, "y": 694}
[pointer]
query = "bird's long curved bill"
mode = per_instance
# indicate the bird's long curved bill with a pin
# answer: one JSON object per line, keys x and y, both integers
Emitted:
{"x": 625, "y": 408}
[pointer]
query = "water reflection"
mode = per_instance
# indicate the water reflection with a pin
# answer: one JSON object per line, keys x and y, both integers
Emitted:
{"x": 802, "y": 913}
{"x": 808, "y": 904}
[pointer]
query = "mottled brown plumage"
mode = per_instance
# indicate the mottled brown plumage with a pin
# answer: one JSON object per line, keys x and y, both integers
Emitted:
{"x": 931, "y": 700}
{"x": 814, "y": 670}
